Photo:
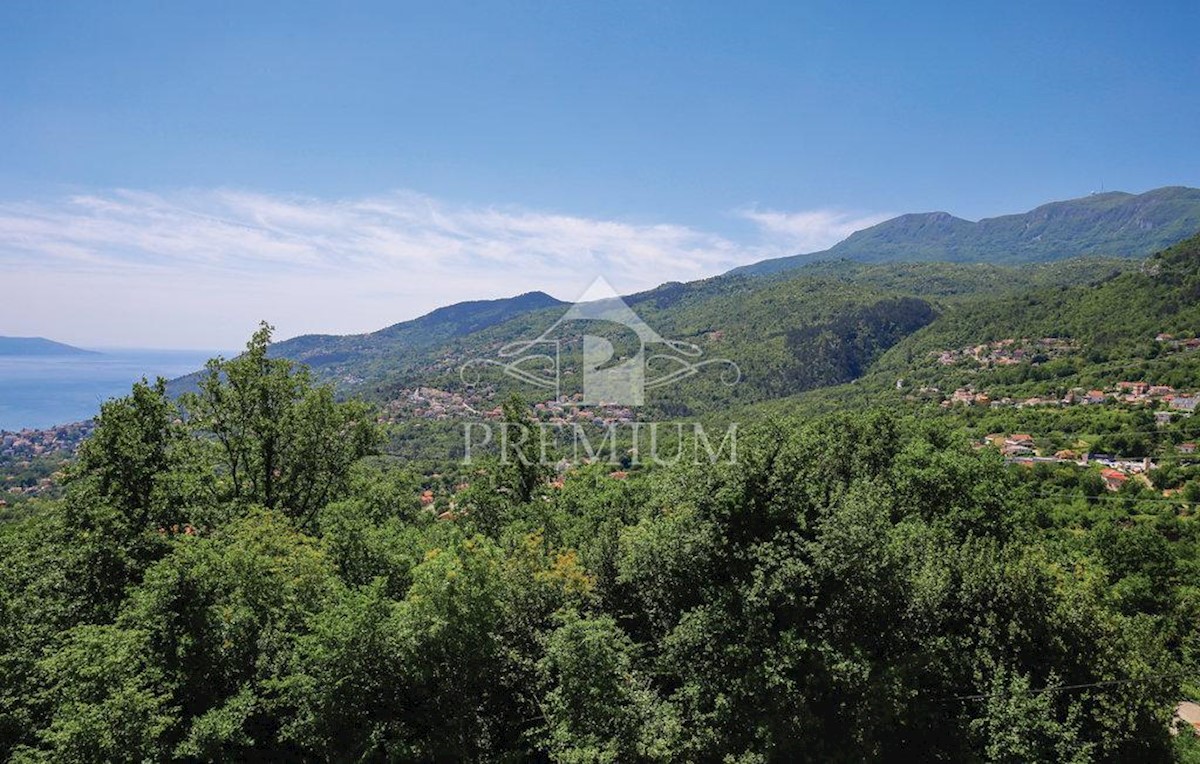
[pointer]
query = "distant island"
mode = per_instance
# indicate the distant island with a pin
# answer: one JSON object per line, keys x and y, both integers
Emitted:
{"x": 38, "y": 346}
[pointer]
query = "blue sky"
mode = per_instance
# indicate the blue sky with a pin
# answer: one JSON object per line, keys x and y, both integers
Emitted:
{"x": 341, "y": 167}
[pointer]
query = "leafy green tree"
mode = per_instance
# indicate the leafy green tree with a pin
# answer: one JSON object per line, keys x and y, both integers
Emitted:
{"x": 109, "y": 702}
{"x": 138, "y": 478}
{"x": 347, "y": 693}
{"x": 525, "y": 470}
{"x": 1191, "y": 491}
{"x": 1019, "y": 723}
{"x": 138, "y": 459}
{"x": 598, "y": 709}
{"x": 1140, "y": 564}
{"x": 219, "y": 615}
{"x": 379, "y": 531}
{"x": 277, "y": 440}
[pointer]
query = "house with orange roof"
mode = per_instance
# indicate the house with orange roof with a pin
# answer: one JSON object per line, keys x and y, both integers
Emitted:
{"x": 1095, "y": 396}
{"x": 1018, "y": 443}
{"x": 1113, "y": 479}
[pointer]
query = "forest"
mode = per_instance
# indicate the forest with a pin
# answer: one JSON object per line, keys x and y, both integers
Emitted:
{"x": 243, "y": 574}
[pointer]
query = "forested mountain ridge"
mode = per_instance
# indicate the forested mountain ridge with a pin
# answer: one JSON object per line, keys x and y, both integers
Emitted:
{"x": 1111, "y": 367}
{"x": 437, "y": 325}
{"x": 1112, "y": 224}
{"x": 440, "y": 325}
{"x": 768, "y": 326}
{"x": 352, "y": 358}
{"x": 753, "y": 316}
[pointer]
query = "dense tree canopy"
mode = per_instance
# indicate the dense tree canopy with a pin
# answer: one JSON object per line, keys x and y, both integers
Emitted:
{"x": 236, "y": 578}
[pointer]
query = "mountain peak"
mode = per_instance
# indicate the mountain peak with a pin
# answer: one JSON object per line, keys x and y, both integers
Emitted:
{"x": 405, "y": 338}
{"x": 932, "y": 217}
{"x": 1110, "y": 223}
{"x": 473, "y": 315}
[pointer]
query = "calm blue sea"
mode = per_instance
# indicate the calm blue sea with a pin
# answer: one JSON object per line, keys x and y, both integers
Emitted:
{"x": 41, "y": 392}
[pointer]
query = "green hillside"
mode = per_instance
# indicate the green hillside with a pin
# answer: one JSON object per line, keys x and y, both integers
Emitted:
{"x": 240, "y": 578}
{"x": 1113, "y": 324}
{"x": 1028, "y": 362}
{"x": 1113, "y": 223}
{"x": 354, "y": 359}
{"x": 820, "y": 325}
{"x": 355, "y": 356}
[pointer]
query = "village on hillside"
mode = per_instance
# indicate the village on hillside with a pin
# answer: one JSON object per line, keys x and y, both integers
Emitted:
{"x": 1011, "y": 352}
{"x": 1007, "y": 352}
{"x": 29, "y": 458}
{"x": 435, "y": 404}
{"x": 1167, "y": 403}
{"x": 1172, "y": 402}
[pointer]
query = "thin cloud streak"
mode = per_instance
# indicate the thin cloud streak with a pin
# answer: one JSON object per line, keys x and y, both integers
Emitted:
{"x": 198, "y": 268}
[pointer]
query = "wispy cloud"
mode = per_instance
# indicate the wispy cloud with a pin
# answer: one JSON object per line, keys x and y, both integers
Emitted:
{"x": 809, "y": 231}
{"x": 198, "y": 268}
{"x": 246, "y": 232}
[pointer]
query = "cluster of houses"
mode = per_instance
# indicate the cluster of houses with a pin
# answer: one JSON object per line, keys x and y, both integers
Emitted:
{"x": 18, "y": 450}
{"x": 434, "y": 403}
{"x": 1012, "y": 351}
{"x": 1020, "y": 448}
{"x": 28, "y": 444}
{"x": 1173, "y": 401}
{"x": 571, "y": 411}
{"x": 1007, "y": 352}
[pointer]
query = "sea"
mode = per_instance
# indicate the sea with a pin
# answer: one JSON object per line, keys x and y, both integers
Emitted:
{"x": 38, "y": 392}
